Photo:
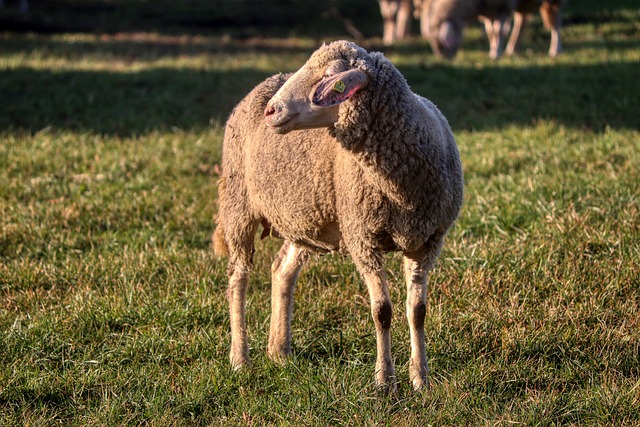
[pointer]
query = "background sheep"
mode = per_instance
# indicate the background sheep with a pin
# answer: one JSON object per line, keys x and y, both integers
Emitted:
{"x": 442, "y": 22}
{"x": 385, "y": 176}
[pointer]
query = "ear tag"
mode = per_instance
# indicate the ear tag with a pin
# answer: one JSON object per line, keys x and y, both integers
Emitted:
{"x": 339, "y": 86}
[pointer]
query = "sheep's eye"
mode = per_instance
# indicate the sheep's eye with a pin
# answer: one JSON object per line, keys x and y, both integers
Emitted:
{"x": 330, "y": 71}
{"x": 334, "y": 68}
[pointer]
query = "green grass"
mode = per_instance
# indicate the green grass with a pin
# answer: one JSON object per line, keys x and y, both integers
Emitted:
{"x": 112, "y": 306}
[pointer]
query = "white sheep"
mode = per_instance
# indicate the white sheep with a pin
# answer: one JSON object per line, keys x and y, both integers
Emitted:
{"x": 376, "y": 169}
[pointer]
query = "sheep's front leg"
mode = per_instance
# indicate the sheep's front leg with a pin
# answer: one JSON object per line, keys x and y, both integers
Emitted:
{"x": 416, "y": 269}
{"x": 494, "y": 33}
{"x": 381, "y": 310}
{"x": 415, "y": 274}
{"x": 284, "y": 274}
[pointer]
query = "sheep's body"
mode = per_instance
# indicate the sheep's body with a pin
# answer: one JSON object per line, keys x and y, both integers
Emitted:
{"x": 385, "y": 177}
{"x": 443, "y": 21}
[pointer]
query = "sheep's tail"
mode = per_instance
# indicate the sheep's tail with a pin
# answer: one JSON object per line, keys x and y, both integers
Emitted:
{"x": 220, "y": 247}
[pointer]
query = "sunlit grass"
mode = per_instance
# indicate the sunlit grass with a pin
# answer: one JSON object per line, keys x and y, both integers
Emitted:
{"x": 113, "y": 309}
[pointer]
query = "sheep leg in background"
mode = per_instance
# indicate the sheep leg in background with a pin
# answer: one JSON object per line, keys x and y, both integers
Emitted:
{"x": 388, "y": 10}
{"x": 403, "y": 19}
{"x": 421, "y": 13}
{"x": 494, "y": 33}
{"x": 381, "y": 310}
{"x": 396, "y": 17}
{"x": 552, "y": 19}
{"x": 240, "y": 254}
{"x": 519, "y": 19}
{"x": 284, "y": 274}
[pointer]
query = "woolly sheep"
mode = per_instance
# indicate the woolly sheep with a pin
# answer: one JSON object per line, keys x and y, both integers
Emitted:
{"x": 443, "y": 22}
{"x": 373, "y": 168}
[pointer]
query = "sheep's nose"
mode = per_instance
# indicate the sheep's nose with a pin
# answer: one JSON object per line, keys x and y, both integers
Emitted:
{"x": 271, "y": 110}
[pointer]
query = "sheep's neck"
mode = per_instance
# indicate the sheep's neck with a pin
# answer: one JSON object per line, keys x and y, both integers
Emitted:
{"x": 388, "y": 146}
{"x": 398, "y": 174}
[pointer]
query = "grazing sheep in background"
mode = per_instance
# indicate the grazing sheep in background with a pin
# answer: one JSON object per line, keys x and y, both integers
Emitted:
{"x": 442, "y": 22}
{"x": 396, "y": 17}
{"x": 376, "y": 169}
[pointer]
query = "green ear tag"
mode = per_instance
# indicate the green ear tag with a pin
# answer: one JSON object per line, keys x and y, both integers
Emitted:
{"x": 339, "y": 86}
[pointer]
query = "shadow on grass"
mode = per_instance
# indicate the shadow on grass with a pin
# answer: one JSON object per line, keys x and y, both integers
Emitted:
{"x": 591, "y": 97}
{"x": 239, "y": 18}
{"x": 120, "y": 103}
{"x": 144, "y": 46}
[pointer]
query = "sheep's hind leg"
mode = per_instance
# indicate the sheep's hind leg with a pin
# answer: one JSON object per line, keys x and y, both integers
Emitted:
{"x": 240, "y": 258}
{"x": 416, "y": 270}
{"x": 552, "y": 19}
{"x": 284, "y": 274}
{"x": 519, "y": 20}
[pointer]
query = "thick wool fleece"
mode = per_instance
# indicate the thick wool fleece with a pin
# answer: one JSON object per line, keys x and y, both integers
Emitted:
{"x": 386, "y": 177}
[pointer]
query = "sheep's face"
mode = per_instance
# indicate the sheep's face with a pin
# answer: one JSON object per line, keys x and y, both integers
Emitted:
{"x": 312, "y": 96}
{"x": 445, "y": 38}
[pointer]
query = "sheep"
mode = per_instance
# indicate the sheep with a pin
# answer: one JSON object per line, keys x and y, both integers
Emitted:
{"x": 396, "y": 17}
{"x": 339, "y": 156}
{"x": 443, "y": 22}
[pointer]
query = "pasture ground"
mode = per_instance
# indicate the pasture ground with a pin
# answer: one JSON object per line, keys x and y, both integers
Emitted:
{"x": 112, "y": 306}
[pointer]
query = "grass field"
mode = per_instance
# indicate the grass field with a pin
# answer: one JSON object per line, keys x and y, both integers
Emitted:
{"x": 112, "y": 306}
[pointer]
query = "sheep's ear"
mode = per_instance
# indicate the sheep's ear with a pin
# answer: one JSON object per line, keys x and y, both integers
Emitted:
{"x": 333, "y": 90}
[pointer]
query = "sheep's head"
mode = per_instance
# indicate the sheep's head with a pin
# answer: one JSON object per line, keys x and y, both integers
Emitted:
{"x": 445, "y": 25}
{"x": 445, "y": 38}
{"x": 311, "y": 97}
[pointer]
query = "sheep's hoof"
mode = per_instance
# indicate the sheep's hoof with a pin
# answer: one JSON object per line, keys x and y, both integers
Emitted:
{"x": 388, "y": 386}
{"x": 279, "y": 357}
{"x": 420, "y": 384}
{"x": 419, "y": 375}
{"x": 239, "y": 362}
{"x": 386, "y": 383}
